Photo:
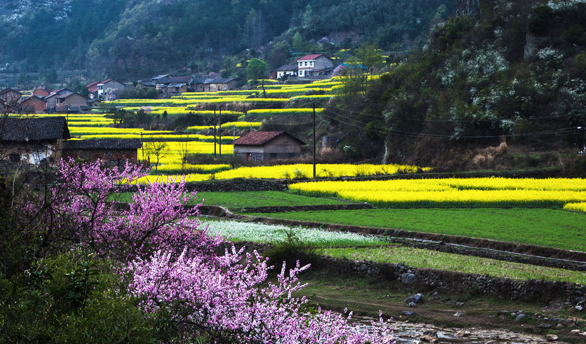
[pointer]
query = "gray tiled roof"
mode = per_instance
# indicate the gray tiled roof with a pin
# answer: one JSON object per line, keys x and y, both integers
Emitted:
{"x": 33, "y": 129}
{"x": 104, "y": 144}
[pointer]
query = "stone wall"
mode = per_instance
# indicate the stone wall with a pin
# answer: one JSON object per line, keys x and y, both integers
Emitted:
{"x": 571, "y": 294}
{"x": 277, "y": 209}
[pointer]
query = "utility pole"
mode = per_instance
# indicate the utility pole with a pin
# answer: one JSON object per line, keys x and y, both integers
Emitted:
{"x": 314, "y": 144}
{"x": 215, "y": 124}
{"x": 583, "y": 145}
{"x": 220, "y": 129}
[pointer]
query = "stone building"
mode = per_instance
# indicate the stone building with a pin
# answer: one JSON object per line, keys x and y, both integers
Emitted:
{"x": 264, "y": 145}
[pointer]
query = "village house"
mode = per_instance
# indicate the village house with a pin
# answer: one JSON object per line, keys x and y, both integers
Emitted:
{"x": 105, "y": 90}
{"x": 264, "y": 145}
{"x": 287, "y": 71}
{"x": 157, "y": 79}
{"x": 114, "y": 152}
{"x": 316, "y": 65}
{"x": 214, "y": 85}
{"x": 42, "y": 92}
{"x": 9, "y": 100}
{"x": 198, "y": 85}
{"x": 33, "y": 104}
{"x": 175, "y": 85}
{"x": 32, "y": 140}
{"x": 65, "y": 100}
{"x": 145, "y": 84}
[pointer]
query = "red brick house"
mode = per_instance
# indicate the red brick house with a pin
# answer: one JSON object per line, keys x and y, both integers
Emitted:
{"x": 264, "y": 145}
{"x": 42, "y": 92}
{"x": 33, "y": 104}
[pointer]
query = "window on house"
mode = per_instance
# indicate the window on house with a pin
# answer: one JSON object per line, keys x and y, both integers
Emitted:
{"x": 273, "y": 155}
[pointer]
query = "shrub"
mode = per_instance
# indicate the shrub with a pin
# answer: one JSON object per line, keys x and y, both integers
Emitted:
{"x": 70, "y": 299}
{"x": 540, "y": 20}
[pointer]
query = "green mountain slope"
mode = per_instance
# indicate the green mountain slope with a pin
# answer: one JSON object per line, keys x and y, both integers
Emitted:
{"x": 511, "y": 72}
{"x": 129, "y": 38}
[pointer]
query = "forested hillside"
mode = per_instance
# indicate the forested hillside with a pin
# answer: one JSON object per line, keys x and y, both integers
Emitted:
{"x": 509, "y": 72}
{"x": 130, "y": 38}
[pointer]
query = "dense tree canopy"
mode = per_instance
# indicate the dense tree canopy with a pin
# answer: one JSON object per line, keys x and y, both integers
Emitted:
{"x": 132, "y": 38}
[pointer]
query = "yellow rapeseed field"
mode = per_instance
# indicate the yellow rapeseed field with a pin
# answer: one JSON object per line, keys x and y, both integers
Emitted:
{"x": 300, "y": 171}
{"x": 466, "y": 192}
{"x": 576, "y": 206}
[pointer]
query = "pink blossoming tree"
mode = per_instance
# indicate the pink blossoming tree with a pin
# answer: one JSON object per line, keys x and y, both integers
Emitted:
{"x": 79, "y": 209}
{"x": 172, "y": 264}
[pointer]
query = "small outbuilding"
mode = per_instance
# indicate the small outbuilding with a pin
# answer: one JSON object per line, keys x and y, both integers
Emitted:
{"x": 32, "y": 140}
{"x": 113, "y": 152}
{"x": 214, "y": 85}
{"x": 287, "y": 71}
{"x": 265, "y": 145}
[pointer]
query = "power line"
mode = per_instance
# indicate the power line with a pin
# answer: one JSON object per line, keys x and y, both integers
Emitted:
{"x": 361, "y": 125}
{"x": 447, "y": 121}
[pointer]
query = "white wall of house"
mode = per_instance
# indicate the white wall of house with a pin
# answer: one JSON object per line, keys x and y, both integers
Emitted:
{"x": 282, "y": 73}
{"x": 306, "y": 67}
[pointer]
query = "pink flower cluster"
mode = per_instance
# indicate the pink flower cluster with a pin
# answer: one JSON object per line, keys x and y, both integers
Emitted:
{"x": 173, "y": 264}
{"x": 80, "y": 210}
{"x": 229, "y": 298}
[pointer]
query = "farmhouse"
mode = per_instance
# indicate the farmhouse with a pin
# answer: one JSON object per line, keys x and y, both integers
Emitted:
{"x": 65, "y": 100}
{"x": 32, "y": 140}
{"x": 198, "y": 85}
{"x": 105, "y": 90}
{"x": 33, "y": 104}
{"x": 114, "y": 152}
{"x": 316, "y": 65}
{"x": 287, "y": 70}
{"x": 174, "y": 85}
{"x": 214, "y": 85}
{"x": 265, "y": 145}
{"x": 42, "y": 92}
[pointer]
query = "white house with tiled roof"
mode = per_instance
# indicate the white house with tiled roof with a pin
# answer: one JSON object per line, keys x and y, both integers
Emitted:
{"x": 315, "y": 65}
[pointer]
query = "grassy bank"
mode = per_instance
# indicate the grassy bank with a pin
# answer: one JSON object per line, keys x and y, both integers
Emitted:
{"x": 457, "y": 263}
{"x": 541, "y": 227}
{"x": 250, "y": 199}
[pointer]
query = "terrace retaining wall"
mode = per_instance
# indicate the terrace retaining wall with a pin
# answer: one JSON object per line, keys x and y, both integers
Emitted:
{"x": 426, "y": 279}
{"x": 532, "y": 290}
{"x": 277, "y": 209}
{"x": 230, "y": 185}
